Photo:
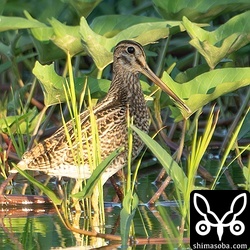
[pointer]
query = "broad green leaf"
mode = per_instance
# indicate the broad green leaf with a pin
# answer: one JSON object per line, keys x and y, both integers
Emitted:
{"x": 191, "y": 73}
{"x": 166, "y": 160}
{"x": 99, "y": 40}
{"x": 96, "y": 175}
{"x": 146, "y": 33}
{"x": 143, "y": 30}
{"x": 41, "y": 33}
{"x": 199, "y": 10}
{"x": 96, "y": 45}
{"x": 214, "y": 54}
{"x": 50, "y": 41}
{"x": 47, "y": 50}
{"x": 19, "y": 123}
{"x": 217, "y": 44}
{"x": 45, "y": 189}
{"x": 111, "y": 25}
{"x": 16, "y": 23}
{"x": 207, "y": 87}
{"x": 84, "y": 7}
{"x": 2, "y": 6}
{"x": 98, "y": 87}
{"x": 52, "y": 84}
{"x": 66, "y": 37}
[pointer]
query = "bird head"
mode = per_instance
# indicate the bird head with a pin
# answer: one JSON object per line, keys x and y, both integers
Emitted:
{"x": 129, "y": 57}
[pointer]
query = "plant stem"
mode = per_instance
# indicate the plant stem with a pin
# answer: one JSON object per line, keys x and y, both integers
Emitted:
{"x": 236, "y": 121}
{"x": 162, "y": 55}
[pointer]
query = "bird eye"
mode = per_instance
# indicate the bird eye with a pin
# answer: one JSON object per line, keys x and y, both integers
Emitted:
{"x": 131, "y": 50}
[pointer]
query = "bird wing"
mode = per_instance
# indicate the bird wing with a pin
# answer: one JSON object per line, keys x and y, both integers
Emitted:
{"x": 57, "y": 149}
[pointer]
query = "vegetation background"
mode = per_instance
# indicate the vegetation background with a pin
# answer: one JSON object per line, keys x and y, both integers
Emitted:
{"x": 199, "y": 48}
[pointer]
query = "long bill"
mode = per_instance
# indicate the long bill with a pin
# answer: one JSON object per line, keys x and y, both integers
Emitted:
{"x": 151, "y": 75}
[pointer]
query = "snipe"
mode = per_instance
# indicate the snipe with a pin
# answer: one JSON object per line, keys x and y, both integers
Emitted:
{"x": 54, "y": 155}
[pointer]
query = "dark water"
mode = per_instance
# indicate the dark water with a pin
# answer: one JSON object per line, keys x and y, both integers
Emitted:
{"x": 41, "y": 228}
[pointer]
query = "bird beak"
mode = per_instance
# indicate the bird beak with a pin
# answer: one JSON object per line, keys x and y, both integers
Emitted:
{"x": 151, "y": 75}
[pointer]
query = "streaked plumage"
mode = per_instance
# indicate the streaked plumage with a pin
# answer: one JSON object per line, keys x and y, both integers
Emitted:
{"x": 54, "y": 155}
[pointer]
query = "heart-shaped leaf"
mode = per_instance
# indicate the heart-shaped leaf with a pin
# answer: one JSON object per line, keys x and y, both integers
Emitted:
{"x": 217, "y": 44}
{"x": 142, "y": 29}
{"x": 66, "y": 37}
{"x": 207, "y": 87}
{"x": 47, "y": 50}
{"x": 201, "y": 11}
{"x": 52, "y": 84}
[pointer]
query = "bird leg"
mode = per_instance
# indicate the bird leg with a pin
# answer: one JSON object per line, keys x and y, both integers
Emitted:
{"x": 117, "y": 188}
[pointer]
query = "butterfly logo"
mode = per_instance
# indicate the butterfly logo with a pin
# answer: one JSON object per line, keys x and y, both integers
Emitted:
{"x": 203, "y": 227}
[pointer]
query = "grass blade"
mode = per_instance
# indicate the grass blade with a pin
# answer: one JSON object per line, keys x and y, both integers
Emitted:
{"x": 96, "y": 175}
{"x": 130, "y": 203}
{"x": 171, "y": 166}
{"x": 44, "y": 188}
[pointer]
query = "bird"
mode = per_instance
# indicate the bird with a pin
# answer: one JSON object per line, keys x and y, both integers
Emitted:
{"x": 54, "y": 156}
